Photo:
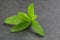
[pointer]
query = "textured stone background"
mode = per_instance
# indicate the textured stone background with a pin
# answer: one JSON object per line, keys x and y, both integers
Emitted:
{"x": 49, "y": 17}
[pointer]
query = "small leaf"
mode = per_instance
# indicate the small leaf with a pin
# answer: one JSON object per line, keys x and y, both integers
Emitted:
{"x": 31, "y": 10}
{"x": 35, "y": 17}
{"x": 23, "y": 15}
{"x": 37, "y": 28}
{"x": 13, "y": 20}
{"x": 20, "y": 27}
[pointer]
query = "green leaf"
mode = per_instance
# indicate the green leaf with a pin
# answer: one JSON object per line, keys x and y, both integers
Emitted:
{"x": 31, "y": 10}
{"x": 23, "y": 15}
{"x": 20, "y": 27}
{"x": 13, "y": 20}
{"x": 37, "y": 28}
{"x": 17, "y": 18}
{"x": 35, "y": 17}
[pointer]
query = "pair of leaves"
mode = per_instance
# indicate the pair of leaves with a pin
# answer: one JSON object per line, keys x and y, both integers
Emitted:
{"x": 22, "y": 21}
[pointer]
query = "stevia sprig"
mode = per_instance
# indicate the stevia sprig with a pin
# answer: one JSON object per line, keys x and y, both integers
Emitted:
{"x": 22, "y": 21}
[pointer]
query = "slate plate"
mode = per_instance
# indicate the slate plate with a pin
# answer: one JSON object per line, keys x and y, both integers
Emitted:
{"x": 49, "y": 17}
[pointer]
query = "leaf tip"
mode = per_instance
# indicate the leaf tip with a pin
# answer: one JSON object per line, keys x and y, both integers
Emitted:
{"x": 6, "y": 21}
{"x": 43, "y": 34}
{"x": 12, "y": 30}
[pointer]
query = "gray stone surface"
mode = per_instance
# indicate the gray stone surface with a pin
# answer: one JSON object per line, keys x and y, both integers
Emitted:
{"x": 49, "y": 17}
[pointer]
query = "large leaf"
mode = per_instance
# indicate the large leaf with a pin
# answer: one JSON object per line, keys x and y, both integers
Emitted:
{"x": 17, "y": 18}
{"x": 36, "y": 27}
{"x": 31, "y": 10}
{"x": 20, "y": 27}
{"x": 13, "y": 20}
